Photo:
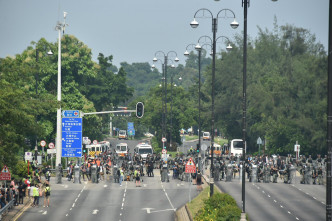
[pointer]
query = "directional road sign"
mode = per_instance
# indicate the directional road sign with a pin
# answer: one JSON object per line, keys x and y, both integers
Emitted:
{"x": 70, "y": 113}
{"x": 71, "y": 137}
{"x": 130, "y": 129}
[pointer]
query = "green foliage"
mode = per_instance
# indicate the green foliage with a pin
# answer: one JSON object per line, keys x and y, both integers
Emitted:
{"x": 286, "y": 91}
{"x": 221, "y": 207}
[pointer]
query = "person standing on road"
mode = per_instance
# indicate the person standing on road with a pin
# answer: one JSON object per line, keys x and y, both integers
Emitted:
{"x": 137, "y": 177}
{"x": 35, "y": 194}
{"x": 47, "y": 191}
{"x": 121, "y": 176}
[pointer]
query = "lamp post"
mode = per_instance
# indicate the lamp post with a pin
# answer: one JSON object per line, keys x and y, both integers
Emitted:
{"x": 162, "y": 85}
{"x": 49, "y": 53}
{"x": 59, "y": 27}
{"x": 194, "y": 24}
{"x": 186, "y": 53}
{"x": 165, "y": 56}
{"x": 329, "y": 124}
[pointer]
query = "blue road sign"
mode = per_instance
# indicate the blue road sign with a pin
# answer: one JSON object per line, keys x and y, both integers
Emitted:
{"x": 71, "y": 137}
{"x": 130, "y": 129}
{"x": 70, "y": 113}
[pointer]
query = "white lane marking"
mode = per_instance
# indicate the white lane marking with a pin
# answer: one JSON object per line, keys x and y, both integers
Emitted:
{"x": 67, "y": 214}
{"x": 73, "y": 205}
{"x": 95, "y": 211}
{"x": 120, "y": 214}
{"x": 275, "y": 201}
{"x": 122, "y": 204}
{"x": 268, "y": 195}
{"x": 296, "y": 218}
{"x": 76, "y": 200}
{"x": 157, "y": 211}
{"x": 44, "y": 213}
{"x": 281, "y": 206}
{"x": 314, "y": 197}
{"x": 71, "y": 209}
{"x": 289, "y": 212}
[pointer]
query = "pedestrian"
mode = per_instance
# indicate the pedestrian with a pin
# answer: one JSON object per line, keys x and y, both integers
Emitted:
{"x": 199, "y": 180}
{"x": 137, "y": 177}
{"x": 47, "y": 195}
{"x": 35, "y": 194}
{"x": 21, "y": 193}
{"x": 121, "y": 176}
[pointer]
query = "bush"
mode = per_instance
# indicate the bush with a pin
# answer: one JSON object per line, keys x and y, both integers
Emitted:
{"x": 219, "y": 207}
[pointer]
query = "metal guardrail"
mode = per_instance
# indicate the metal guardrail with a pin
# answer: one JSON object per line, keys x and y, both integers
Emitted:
{"x": 6, "y": 208}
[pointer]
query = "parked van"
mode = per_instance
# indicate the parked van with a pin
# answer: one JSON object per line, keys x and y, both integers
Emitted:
{"x": 143, "y": 150}
{"x": 123, "y": 135}
{"x": 122, "y": 149}
{"x": 206, "y": 136}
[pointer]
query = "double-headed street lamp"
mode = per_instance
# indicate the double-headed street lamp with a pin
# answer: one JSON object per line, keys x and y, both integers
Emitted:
{"x": 199, "y": 48}
{"x": 194, "y": 24}
{"x": 166, "y": 57}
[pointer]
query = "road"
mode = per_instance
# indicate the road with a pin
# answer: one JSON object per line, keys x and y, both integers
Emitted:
{"x": 276, "y": 201}
{"x": 155, "y": 200}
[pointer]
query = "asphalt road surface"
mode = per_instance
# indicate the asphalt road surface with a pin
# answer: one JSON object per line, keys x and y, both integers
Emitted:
{"x": 154, "y": 200}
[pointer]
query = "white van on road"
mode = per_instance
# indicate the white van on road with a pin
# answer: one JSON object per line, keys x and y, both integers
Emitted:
{"x": 143, "y": 150}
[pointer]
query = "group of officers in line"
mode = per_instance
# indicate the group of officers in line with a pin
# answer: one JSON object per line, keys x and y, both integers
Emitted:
{"x": 268, "y": 169}
{"x": 258, "y": 169}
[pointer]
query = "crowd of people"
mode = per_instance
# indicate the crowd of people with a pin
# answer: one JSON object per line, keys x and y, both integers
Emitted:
{"x": 31, "y": 187}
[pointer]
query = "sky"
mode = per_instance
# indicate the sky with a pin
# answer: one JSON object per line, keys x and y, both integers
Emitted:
{"x": 133, "y": 31}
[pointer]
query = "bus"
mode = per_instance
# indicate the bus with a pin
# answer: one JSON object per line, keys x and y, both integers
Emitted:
{"x": 94, "y": 150}
{"x": 236, "y": 147}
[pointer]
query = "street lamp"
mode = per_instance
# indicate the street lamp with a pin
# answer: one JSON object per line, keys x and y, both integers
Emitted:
{"x": 166, "y": 58}
{"x": 61, "y": 26}
{"x": 161, "y": 85}
{"x": 49, "y": 53}
{"x": 194, "y": 24}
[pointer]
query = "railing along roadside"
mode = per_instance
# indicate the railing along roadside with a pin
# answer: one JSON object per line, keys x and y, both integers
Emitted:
{"x": 7, "y": 207}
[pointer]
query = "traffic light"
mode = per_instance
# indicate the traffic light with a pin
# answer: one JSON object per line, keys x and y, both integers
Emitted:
{"x": 84, "y": 149}
{"x": 139, "y": 110}
{"x": 197, "y": 148}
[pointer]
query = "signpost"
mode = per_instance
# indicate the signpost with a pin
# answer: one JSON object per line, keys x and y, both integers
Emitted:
{"x": 71, "y": 137}
{"x": 164, "y": 141}
{"x": 70, "y": 113}
{"x": 190, "y": 166}
{"x": 297, "y": 150}
{"x": 130, "y": 129}
{"x": 51, "y": 145}
{"x": 28, "y": 156}
{"x": 5, "y": 174}
{"x": 259, "y": 142}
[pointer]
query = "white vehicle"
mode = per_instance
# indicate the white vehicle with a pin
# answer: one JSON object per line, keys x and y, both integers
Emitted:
{"x": 236, "y": 147}
{"x": 206, "y": 136}
{"x": 122, "y": 149}
{"x": 143, "y": 150}
{"x": 123, "y": 135}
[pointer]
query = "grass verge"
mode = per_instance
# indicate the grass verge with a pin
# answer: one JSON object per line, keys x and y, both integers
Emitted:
{"x": 198, "y": 202}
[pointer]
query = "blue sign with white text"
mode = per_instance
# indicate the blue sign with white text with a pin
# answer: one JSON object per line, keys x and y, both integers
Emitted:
{"x": 130, "y": 129}
{"x": 70, "y": 113}
{"x": 71, "y": 137}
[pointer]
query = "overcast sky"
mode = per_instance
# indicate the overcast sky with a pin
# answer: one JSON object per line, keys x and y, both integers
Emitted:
{"x": 133, "y": 30}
